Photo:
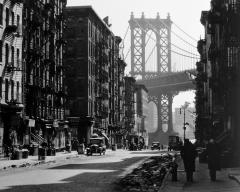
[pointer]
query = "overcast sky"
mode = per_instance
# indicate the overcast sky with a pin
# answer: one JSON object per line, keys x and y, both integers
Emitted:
{"x": 185, "y": 13}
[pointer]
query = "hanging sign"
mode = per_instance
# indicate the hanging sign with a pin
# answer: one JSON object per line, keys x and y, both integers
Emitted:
{"x": 31, "y": 123}
{"x": 55, "y": 123}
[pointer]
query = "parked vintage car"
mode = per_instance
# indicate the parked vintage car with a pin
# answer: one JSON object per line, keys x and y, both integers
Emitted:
{"x": 155, "y": 145}
{"x": 96, "y": 145}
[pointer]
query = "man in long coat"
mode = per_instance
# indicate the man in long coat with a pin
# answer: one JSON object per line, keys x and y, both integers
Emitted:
{"x": 213, "y": 156}
{"x": 188, "y": 154}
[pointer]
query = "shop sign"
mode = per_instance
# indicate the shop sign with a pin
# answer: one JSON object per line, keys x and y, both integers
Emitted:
{"x": 48, "y": 126}
{"x": 55, "y": 123}
{"x": 31, "y": 123}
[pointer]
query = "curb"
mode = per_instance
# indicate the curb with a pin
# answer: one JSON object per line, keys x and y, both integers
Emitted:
{"x": 52, "y": 159}
{"x": 234, "y": 177}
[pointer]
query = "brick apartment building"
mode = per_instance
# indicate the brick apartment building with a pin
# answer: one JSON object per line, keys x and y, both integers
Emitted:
{"x": 93, "y": 74}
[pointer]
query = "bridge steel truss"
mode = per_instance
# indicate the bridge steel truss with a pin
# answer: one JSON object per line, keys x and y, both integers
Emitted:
{"x": 162, "y": 29}
{"x": 163, "y": 100}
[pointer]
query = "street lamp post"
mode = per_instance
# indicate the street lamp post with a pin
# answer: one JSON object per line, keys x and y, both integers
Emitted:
{"x": 184, "y": 127}
{"x": 184, "y": 120}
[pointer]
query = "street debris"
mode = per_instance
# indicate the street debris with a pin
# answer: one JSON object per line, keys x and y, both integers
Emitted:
{"x": 148, "y": 177}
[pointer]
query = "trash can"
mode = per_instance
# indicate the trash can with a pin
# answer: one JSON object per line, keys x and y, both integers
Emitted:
{"x": 68, "y": 148}
{"x": 51, "y": 152}
{"x": 81, "y": 148}
{"x": 114, "y": 147}
{"x": 25, "y": 153}
{"x": 17, "y": 155}
{"x": 34, "y": 150}
{"x": 42, "y": 153}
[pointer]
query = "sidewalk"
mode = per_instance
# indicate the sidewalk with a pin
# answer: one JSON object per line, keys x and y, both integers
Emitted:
{"x": 33, "y": 160}
{"x": 202, "y": 183}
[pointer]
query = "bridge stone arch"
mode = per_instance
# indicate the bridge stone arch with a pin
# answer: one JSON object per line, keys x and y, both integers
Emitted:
{"x": 162, "y": 29}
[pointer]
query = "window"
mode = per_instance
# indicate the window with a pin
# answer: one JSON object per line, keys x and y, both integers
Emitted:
{"x": 18, "y": 58}
{"x": 12, "y": 60}
{"x": 1, "y": 44}
{"x": 7, "y": 16}
{"x": 18, "y": 21}
{"x": 12, "y": 89}
{"x": 6, "y": 54}
{"x": 1, "y": 87}
{"x": 6, "y": 90}
{"x": 12, "y": 14}
{"x": 1, "y": 14}
{"x": 18, "y": 99}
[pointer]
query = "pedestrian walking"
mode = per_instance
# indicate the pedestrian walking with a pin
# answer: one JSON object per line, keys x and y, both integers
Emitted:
{"x": 174, "y": 167}
{"x": 188, "y": 154}
{"x": 213, "y": 158}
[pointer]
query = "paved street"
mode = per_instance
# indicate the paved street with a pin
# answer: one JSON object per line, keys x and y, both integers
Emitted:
{"x": 94, "y": 173}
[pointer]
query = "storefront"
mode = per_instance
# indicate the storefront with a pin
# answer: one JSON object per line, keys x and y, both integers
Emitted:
{"x": 81, "y": 128}
{"x": 11, "y": 126}
{"x": 61, "y": 135}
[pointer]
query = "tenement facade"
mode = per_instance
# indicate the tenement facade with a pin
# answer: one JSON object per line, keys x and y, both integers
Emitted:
{"x": 92, "y": 74}
{"x": 11, "y": 69}
{"x": 130, "y": 107}
{"x": 141, "y": 125}
{"x": 43, "y": 78}
{"x": 218, "y": 79}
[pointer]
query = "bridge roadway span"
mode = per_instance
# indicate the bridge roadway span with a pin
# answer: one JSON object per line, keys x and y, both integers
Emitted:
{"x": 170, "y": 82}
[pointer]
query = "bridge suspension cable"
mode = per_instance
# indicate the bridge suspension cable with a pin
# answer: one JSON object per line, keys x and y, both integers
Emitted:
{"x": 194, "y": 56}
{"x": 185, "y": 32}
{"x": 127, "y": 53}
{"x": 151, "y": 53}
{"x": 173, "y": 33}
{"x": 184, "y": 55}
{"x": 149, "y": 37}
{"x": 125, "y": 35}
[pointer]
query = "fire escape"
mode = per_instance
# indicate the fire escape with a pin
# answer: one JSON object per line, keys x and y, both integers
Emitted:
{"x": 129, "y": 103}
{"x": 101, "y": 85}
{"x": 44, "y": 70}
{"x": 12, "y": 34}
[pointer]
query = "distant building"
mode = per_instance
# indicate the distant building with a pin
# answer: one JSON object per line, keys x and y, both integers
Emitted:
{"x": 129, "y": 105}
{"x": 141, "y": 125}
{"x": 189, "y": 118}
{"x": 120, "y": 131}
